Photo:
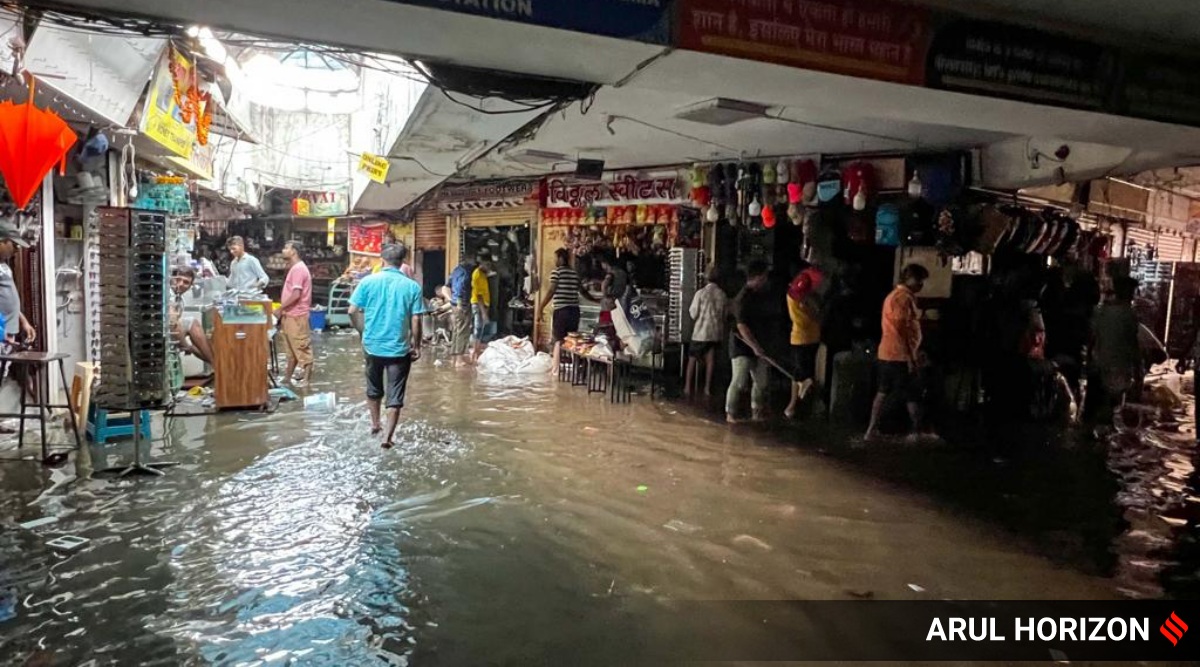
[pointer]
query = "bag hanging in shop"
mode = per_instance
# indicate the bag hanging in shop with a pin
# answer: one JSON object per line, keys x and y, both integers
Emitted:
{"x": 829, "y": 187}
{"x": 942, "y": 177}
{"x": 887, "y": 225}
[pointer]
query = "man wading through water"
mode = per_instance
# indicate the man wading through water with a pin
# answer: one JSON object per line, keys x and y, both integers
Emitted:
{"x": 391, "y": 308}
{"x": 900, "y": 356}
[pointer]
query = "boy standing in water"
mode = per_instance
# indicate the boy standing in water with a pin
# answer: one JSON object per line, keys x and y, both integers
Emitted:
{"x": 900, "y": 350}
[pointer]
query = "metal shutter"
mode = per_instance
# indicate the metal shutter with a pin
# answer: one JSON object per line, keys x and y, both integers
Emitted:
{"x": 500, "y": 217}
{"x": 1170, "y": 248}
{"x": 430, "y": 232}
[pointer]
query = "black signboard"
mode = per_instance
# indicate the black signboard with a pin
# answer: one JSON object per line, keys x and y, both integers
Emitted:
{"x": 1160, "y": 88}
{"x": 1018, "y": 63}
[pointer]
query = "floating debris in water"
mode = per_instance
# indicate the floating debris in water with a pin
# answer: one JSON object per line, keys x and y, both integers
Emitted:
{"x": 681, "y": 527}
{"x": 68, "y": 543}
{"x": 37, "y": 523}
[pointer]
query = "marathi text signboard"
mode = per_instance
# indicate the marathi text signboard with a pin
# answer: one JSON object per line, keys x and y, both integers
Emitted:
{"x": 1022, "y": 64}
{"x": 640, "y": 20}
{"x": 617, "y": 190}
{"x": 162, "y": 119}
{"x": 864, "y": 38}
{"x": 1160, "y": 88}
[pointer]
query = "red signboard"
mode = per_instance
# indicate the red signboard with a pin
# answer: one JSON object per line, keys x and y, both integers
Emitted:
{"x": 871, "y": 39}
{"x": 617, "y": 189}
{"x": 367, "y": 239}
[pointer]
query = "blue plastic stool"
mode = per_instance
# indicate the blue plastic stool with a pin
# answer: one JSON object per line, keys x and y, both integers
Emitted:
{"x": 101, "y": 428}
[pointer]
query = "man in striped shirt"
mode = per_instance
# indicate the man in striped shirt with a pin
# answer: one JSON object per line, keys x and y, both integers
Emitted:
{"x": 564, "y": 291}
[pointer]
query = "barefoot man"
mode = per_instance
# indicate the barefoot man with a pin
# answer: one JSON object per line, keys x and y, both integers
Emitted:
{"x": 392, "y": 306}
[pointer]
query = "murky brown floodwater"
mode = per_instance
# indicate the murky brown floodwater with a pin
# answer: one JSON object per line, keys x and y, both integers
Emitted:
{"x": 508, "y": 528}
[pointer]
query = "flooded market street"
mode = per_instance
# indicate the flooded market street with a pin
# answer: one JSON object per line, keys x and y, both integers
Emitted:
{"x": 517, "y": 522}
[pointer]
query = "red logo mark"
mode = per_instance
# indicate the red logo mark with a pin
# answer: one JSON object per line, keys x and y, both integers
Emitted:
{"x": 1173, "y": 629}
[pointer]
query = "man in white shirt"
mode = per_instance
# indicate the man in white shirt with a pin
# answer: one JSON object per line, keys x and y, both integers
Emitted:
{"x": 709, "y": 310}
{"x": 245, "y": 271}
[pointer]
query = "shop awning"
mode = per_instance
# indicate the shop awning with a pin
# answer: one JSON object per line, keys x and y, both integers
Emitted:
{"x": 441, "y": 136}
{"x": 105, "y": 74}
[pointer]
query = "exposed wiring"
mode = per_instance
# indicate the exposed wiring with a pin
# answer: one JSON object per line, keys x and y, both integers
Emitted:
{"x": 408, "y": 158}
{"x": 505, "y": 112}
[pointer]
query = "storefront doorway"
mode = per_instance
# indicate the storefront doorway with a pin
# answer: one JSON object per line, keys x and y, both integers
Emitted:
{"x": 510, "y": 247}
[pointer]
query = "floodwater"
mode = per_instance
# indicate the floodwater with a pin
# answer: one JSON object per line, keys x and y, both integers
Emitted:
{"x": 517, "y": 522}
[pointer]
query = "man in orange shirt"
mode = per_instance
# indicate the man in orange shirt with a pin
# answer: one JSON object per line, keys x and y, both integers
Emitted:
{"x": 900, "y": 350}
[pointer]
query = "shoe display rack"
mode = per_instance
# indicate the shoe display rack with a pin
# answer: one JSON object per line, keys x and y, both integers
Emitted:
{"x": 132, "y": 309}
{"x": 687, "y": 276}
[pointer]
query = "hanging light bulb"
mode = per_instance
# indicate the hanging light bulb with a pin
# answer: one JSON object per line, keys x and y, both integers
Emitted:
{"x": 914, "y": 186}
{"x": 755, "y": 208}
{"x": 712, "y": 215}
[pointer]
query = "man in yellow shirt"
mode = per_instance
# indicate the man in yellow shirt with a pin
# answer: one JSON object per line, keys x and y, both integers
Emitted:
{"x": 806, "y": 332}
{"x": 481, "y": 305}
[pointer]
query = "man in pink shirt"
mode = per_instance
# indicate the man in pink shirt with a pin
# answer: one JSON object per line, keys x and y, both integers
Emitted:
{"x": 294, "y": 306}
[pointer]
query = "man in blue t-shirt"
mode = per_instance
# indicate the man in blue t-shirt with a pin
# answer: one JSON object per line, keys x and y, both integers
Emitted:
{"x": 460, "y": 299}
{"x": 392, "y": 306}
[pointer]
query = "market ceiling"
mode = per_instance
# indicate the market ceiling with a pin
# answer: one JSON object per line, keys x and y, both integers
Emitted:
{"x": 647, "y": 83}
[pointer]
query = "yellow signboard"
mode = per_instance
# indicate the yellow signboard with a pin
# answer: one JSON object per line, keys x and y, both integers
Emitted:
{"x": 163, "y": 118}
{"x": 374, "y": 166}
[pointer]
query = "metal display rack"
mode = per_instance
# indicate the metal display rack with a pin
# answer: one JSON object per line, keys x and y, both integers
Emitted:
{"x": 133, "y": 319}
{"x": 687, "y": 276}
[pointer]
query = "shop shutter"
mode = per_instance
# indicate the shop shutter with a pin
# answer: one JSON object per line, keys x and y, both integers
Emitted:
{"x": 502, "y": 217}
{"x": 1170, "y": 248}
{"x": 1140, "y": 236}
{"x": 430, "y": 232}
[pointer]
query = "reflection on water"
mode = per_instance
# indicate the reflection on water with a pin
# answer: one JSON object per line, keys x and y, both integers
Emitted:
{"x": 516, "y": 522}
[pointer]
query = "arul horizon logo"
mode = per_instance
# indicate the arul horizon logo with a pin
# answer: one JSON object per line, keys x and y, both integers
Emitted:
{"x": 1173, "y": 629}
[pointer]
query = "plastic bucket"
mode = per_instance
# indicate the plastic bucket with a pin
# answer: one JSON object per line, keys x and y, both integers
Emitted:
{"x": 316, "y": 320}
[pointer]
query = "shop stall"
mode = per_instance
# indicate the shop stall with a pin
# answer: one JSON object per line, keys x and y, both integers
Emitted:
{"x": 500, "y": 220}
{"x": 634, "y": 218}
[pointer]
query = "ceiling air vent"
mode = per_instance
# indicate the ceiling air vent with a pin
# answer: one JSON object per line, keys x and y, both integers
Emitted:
{"x": 721, "y": 111}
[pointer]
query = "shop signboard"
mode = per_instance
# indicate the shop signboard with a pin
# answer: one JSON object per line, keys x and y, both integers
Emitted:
{"x": 487, "y": 196}
{"x": 639, "y": 20}
{"x": 1160, "y": 88}
{"x": 617, "y": 189}
{"x": 1018, "y": 63}
{"x": 374, "y": 167}
{"x": 367, "y": 239}
{"x": 162, "y": 119}
{"x": 320, "y": 205}
{"x": 870, "y": 39}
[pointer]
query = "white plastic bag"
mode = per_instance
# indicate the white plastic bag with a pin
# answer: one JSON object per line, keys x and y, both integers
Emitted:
{"x": 636, "y": 337}
{"x": 506, "y": 356}
{"x": 538, "y": 364}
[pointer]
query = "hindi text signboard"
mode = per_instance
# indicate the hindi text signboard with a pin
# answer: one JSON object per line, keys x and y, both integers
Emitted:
{"x": 864, "y": 38}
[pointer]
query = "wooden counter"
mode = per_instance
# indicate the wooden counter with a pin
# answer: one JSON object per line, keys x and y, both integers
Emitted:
{"x": 242, "y": 348}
